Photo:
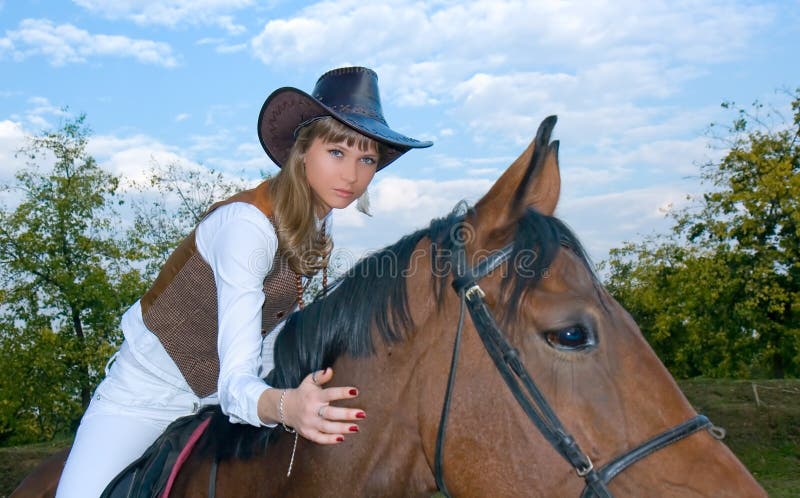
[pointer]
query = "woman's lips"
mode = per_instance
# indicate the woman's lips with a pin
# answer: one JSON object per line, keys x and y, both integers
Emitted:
{"x": 343, "y": 193}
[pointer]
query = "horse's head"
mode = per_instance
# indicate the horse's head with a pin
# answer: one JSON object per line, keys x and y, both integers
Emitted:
{"x": 580, "y": 347}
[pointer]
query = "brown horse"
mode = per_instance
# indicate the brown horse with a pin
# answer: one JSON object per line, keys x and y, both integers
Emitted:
{"x": 579, "y": 385}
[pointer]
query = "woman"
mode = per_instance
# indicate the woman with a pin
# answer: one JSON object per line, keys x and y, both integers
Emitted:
{"x": 200, "y": 336}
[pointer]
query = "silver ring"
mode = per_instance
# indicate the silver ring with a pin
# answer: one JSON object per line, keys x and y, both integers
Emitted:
{"x": 321, "y": 411}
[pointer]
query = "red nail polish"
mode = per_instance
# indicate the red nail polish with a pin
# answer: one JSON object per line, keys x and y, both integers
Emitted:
{"x": 353, "y": 392}
{"x": 339, "y": 438}
{"x": 353, "y": 428}
{"x": 361, "y": 415}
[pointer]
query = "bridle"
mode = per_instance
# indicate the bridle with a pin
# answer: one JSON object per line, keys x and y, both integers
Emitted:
{"x": 528, "y": 395}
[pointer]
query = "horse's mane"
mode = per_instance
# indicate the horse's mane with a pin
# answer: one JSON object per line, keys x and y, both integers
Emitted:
{"x": 314, "y": 337}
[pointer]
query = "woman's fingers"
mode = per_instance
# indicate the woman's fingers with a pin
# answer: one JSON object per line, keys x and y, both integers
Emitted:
{"x": 319, "y": 377}
{"x": 337, "y": 393}
{"x": 340, "y": 414}
{"x": 316, "y": 419}
{"x": 326, "y": 431}
{"x": 324, "y": 438}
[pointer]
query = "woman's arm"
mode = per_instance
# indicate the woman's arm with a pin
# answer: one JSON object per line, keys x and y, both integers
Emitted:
{"x": 240, "y": 246}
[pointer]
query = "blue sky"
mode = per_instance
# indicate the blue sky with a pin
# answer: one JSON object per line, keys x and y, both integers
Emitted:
{"x": 634, "y": 84}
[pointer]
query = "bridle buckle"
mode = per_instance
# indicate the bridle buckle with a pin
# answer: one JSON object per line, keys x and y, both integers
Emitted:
{"x": 583, "y": 472}
{"x": 475, "y": 289}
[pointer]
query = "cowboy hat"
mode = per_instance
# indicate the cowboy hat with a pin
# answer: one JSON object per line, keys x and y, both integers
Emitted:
{"x": 348, "y": 94}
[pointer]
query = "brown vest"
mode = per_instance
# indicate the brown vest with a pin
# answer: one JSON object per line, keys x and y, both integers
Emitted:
{"x": 181, "y": 306}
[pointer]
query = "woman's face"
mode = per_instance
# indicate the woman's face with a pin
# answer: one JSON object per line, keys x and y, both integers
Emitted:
{"x": 338, "y": 173}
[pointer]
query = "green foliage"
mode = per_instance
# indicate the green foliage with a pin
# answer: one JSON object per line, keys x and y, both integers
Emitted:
{"x": 720, "y": 295}
{"x": 66, "y": 280}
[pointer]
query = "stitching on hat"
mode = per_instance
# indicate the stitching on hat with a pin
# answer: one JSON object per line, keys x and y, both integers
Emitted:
{"x": 346, "y": 70}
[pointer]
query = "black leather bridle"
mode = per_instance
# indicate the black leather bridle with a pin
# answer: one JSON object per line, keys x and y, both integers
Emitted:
{"x": 528, "y": 395}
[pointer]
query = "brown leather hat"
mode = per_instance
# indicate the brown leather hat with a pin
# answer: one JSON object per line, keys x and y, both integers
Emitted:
{"x": 349, "y": 94}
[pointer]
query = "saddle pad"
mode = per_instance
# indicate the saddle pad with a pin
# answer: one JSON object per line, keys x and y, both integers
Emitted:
{"x": 183, "y": 455}
{"x": 150, "y": 474}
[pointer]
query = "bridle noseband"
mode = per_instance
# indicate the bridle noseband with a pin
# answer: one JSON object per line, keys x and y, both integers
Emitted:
{"x": 528, "y": 395}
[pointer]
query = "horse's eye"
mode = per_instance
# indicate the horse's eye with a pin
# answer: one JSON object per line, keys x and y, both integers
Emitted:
{"x": 570, "y": 339}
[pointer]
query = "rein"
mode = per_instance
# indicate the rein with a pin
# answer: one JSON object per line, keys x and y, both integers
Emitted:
{"x": 528, "y": 395}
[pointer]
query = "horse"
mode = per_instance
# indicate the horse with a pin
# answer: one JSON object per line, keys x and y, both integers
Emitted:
{"x": 547, "y": 387}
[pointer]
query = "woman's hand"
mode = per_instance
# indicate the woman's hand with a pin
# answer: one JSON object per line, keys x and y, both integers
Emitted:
{"x": 307, "y": 409}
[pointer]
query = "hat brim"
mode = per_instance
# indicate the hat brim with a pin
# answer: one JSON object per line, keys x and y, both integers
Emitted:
{"x": 287, "y": 107}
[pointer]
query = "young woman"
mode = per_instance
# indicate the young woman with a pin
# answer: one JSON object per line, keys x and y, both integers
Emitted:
{"x": 201, "y": 334}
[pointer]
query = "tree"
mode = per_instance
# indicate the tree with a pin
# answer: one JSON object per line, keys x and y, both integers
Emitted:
{"x": 70, "y": 269}
{"x": 720, "y": 294}
{"x": 66, "y": 279}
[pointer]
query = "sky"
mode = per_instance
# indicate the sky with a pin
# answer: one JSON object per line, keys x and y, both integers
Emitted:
{"x": 634, "y": 84}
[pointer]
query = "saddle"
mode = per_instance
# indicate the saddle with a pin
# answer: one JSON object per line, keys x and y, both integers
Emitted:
{"x": 150, "y": 475}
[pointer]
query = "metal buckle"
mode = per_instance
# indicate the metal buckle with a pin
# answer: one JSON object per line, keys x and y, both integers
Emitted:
{"x": 585, "y": 471}
{"x": 473, "y": 290}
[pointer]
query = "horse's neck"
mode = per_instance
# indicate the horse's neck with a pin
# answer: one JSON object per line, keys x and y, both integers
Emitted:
{"x": 400, "y": 388}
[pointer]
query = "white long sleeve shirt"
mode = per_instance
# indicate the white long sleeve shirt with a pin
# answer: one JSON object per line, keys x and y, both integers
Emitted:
{"x": 239, "y": 243}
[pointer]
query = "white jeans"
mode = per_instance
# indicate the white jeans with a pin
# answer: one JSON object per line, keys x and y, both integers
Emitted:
{"x": 129, "y": 410}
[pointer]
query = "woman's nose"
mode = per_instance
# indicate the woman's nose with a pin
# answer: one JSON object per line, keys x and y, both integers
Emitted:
{"x": 349, "y": 171}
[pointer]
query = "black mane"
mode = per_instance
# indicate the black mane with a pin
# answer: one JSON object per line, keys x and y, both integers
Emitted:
{"x": 314, "y": 337}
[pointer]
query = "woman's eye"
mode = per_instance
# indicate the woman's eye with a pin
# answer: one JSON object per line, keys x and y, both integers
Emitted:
{"x": 368, "y": 160}
{"x": 335, "y": 152}
{"x": 570, "y": 339}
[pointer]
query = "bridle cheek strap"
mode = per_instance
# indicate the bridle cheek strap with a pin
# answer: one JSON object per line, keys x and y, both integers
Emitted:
{"x": 527, "y": 394}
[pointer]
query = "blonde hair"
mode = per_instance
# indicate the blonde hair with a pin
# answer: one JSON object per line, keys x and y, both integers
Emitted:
{"x": 295, "y": 204}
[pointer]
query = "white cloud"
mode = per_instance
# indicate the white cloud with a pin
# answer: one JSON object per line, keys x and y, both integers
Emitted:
{"x": 246, "y": 160}
{"x": 64, "y": 44}
{"x": 399, "y": 206}
{"x": 37, "y": 117}
{"x": 402, "y": 205}
{"x": 501, "y": 66}
{"x": 171, "y": 13}
{"x": 229, "y": 49}
{"x": 12, "y": 138}
{"x": 132, "y": 157}
{"x": 209, "y": 41}
{"x": 607, "y": 220}
{"x": 405, "y": 198}
{"x": 493, "y": 172}
{"x": 481, "y": 34}
{"x": 659, "y": 156}
{"x": 221, "y": 46}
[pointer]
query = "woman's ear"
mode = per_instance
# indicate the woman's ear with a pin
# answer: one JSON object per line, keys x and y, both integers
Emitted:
{"x": 362, "y": 204}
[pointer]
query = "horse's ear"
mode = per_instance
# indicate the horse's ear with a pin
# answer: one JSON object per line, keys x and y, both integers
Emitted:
{"x": 532, "y": 181}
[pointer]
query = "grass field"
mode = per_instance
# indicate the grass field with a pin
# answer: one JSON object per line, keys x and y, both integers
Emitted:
{"x": 765, "y": 436}
{"x": 763, "y": 425}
